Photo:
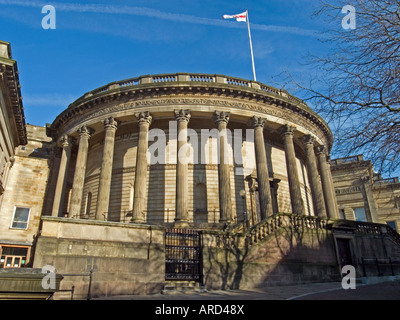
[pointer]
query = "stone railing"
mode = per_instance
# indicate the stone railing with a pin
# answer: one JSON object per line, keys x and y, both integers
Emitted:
{"x": 376, "y": 228}
{"x": 195, "y": 78}
{"x": 347, "y": 160}
{"x": 272, "y": 224}
{"x": 269, "y": 226}
{"x": 386, "y": 181}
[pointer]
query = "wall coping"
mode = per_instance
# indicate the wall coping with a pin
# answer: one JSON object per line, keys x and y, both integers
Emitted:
{"x": 101, "y": 223}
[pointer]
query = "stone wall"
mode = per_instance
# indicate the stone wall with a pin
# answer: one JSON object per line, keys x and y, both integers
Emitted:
{"x": 161, "y": 180}
{"x": 284, "y": 256}
{"x": 26, "y": 187}
{"x": 129, "y": 259}
{"x": 125, "y": 258}
{"x": 288, "y": 250}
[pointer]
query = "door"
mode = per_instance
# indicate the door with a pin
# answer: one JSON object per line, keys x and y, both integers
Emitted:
{"x": 183, "y": 255}
{"x": 344, "y": 252}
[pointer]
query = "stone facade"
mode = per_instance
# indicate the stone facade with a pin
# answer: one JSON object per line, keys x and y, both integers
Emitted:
{"x": 245, "y": 164}
{"x": 12, "y": 120}
{"x": 25, "y": 193}
{"x": 122, "y": 162}
{"x": 13, "y": 135}
{"x": 363, "y": 194}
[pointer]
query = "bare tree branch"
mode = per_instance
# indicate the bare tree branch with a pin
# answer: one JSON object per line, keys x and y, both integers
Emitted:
{"x": 360, "y": 78}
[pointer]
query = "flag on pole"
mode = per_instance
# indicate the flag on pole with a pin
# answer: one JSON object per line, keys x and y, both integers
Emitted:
{"x": 241, "y": 17}
{"x": 244, "y": 16}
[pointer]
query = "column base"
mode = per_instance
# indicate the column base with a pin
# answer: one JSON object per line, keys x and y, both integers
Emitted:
{"x": 137, "y": 221}
{"x": 181, "y": 224}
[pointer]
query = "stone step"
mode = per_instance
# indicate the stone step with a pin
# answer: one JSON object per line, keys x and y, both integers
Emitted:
{"x": 172, "y": 287}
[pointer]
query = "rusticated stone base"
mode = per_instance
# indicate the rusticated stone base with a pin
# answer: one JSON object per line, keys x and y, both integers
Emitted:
{"x": 284, "y": 249}
{"x": 125, "y": 258}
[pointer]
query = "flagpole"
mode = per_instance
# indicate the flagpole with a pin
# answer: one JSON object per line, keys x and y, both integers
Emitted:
{"x": 251, "y": 46}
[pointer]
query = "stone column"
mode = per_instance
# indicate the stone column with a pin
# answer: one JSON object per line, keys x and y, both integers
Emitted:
{"x": 140, "y": 187}
{"x": 103, "y": 195}
{"x": 327, "y": 185}
{"x": 293, "y": 176}
{"x": 59, "y": 195}
{"x": 264, "y": 191}
{"x": 181, "y": 205}
{"x": 80, "y": 170}
{"x": 224, "y": 171}
{"x": 315, "y": 182}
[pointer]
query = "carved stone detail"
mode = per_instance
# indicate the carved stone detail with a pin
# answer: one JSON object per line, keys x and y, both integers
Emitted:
{"x": 182, "y": 115}
{"x": 221, "y": 116}
{"x": 258, "y": 122}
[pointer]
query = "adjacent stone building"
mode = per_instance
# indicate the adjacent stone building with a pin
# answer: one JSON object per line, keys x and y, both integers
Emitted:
{"x": 363, "y": 194}
{"x": 12, "y": 135}
{"x": 24, "y": 197}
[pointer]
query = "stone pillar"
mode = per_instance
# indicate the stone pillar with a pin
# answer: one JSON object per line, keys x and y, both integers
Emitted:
{"x": 140, "y": 187}
{"x": 80, "y": 170}
{"x": 264, "y": 191}
{"x": 315, "y": 182}
{"x": 59, "y": 194}
{"x": 224, "y": 171}
{"x": 327, "y": 185}
{"x": 293, "y": 176}
{"x": 103, "y": 195}
{"x": 181, "y": 202}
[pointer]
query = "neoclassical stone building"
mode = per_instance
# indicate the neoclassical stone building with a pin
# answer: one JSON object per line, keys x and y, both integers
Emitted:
{"x": 167, "y": 178}
{"x": 190, "y": 150}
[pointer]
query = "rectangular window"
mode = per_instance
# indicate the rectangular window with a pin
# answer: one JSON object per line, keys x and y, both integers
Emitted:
{"x": 359, "y": 214}
{"x": 341, "y": 214}
{"x": 13, "y": 257}
{"x": 20, "y": 218}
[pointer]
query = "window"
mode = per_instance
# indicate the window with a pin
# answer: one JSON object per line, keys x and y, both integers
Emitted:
{"x": 20, "y": 218}
{"x": 359, "y": 214}
{"x": 392, "y": 224}
{"x": 13, "y": 257}
{"x": 342, "y": 214}
{"x": 200, "y": 197}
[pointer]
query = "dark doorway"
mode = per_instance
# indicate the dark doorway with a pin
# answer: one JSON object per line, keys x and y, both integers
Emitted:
{"x": 344, "y": 251}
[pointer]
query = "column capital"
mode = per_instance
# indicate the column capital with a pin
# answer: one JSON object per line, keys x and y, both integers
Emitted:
{"x": 111, "y": 123}
{"x": 65, "y": 141}
{"x": 288, "y": 130}
{"x": 182, "y": 115}
{"x": 309, "y": 139}
{"x": 257, "y": 122}
{"x": 221, "y": 116}
{"x": 322, "y": 150}
{"x": 144, "y": 117}
{"x": 85, "y": 131}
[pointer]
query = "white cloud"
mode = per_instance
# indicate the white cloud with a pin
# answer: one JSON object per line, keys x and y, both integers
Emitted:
{"x": 153, "y": 13}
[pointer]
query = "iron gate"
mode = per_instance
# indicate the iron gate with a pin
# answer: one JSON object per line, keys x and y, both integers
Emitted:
{"x": 183, "y": 255}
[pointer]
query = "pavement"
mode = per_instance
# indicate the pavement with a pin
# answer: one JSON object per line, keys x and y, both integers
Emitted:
{"x": 386, "y": 290}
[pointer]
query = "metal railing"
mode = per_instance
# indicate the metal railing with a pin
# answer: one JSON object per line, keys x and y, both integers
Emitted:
{"x": 90, "y": 275}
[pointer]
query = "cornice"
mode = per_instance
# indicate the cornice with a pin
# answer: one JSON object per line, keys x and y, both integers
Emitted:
{"x": 9, "y": 75}
{"x": 119, "y": 98}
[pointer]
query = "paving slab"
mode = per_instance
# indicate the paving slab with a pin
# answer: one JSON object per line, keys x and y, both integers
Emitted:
{"x": 316, "y": 291}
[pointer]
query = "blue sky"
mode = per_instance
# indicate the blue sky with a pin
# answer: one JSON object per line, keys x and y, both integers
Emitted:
{"x": 100, "y": 41}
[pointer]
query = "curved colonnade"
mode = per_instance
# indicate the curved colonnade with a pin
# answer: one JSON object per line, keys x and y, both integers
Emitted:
{"x": 191, "y": 149}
